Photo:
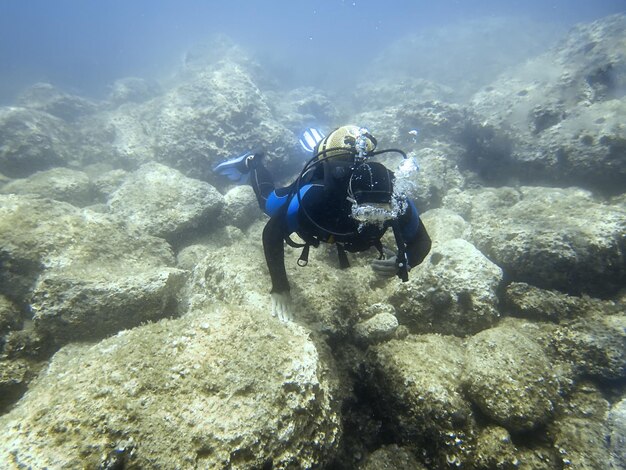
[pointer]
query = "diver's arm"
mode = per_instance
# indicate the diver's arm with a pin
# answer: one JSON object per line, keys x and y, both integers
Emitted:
{"x": 415, "y": 236}
{"x": 274, "y": 249}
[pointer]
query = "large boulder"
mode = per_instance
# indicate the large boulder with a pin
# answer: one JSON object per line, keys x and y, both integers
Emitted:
{"x": 162, "y": 202}
{"x": 454, "y": 291}
{"x": 510, "y": 377}
{"x": 45, "y": 97}
{"x": 561, "y": 239}
{"x": 240, "y": 207}
{"x": 562, "y": 113}
{"x": 595, "y": 345}
{"x": 212, "y": 115}
{"x": 617, "y": 423}
{"x": 82, "y": 275}
{"x": 524, "y": 300}
{"x": 132, "y": 90}
{"x": 475, "y": 51}
{"x": 32, "y": 140}
{"x": 61, "y": 184}
{"x": 214, "y": 389}
{"x": 581, "y": 430}
{"x": 230, "y": 266}
{"x": 417, "y": 383}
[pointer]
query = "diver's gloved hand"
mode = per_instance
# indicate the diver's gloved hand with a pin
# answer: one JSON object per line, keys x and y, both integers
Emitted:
{"x": 387, "y": 266}
{"x": 282, "y": 306}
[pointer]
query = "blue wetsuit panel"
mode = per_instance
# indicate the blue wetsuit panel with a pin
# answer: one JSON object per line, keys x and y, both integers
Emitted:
{"x": 294, "y": 208}
{"x": 410, "y": 229}
{"x": 275, "y": 203}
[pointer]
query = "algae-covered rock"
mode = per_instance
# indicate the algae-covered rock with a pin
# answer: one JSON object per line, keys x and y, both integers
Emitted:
{"x": 45, "y": 97}
{"x": 215, "y": 389}
{"x": 552, "y": 238}
{"x": 580, "y": 431}
{"x": 32, "y": 141}
{"x": 61, "y": 184}
{"x": 563, "y": 112}
{"x": 83, "y": 275}
{"x": 106, "y": 182}
{"x": 380, "y": 327}
{"x": 531, "y": 302}
{"x": 15, "y": 375}
{"x": 10, "y": 316}
{"x": 391, "y": 457}
{"x": 444, "y": 225}
{"x": 594, "y": 345}
{"x": 417, "y": 385}
{"x": 160, "y": 201}
{"x": 454, "y": 291}
{"x": 132, "y": 89}
{"x": 240, "y": 207}
{"x": 211, "y": 115}
{"x": 510, "y": 377}
{"x": 495, "y": 449}
{"x": 230, "y": 266}
{"x": 617, "y": 423}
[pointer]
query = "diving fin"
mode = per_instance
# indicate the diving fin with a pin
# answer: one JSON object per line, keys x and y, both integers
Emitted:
{"x": 310, "y": 138}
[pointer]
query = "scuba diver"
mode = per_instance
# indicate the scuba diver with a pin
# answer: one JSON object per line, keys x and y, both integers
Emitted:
{"x": 341, "y": 197}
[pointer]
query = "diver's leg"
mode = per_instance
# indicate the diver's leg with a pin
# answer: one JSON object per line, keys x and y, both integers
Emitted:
{"x": 261, "y": 181}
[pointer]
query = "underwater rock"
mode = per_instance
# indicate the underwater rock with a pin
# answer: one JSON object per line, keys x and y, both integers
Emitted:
{"x": 552, "y": 238}
{"x": 61, "y": 184}
{"x": 617, "y": 423}
{"x": 391, "y": 457}
{"x": 10, "y": 317}
{"x": 230, "y": 266}
{"x": 454, "y": 291}
{"x": 595, "y": 345}
{"x": 240, "y": 207}
{"x": 510, "y": 377}
{"x": 580, "y": 430}
{"x": 15, "y": 375}
{"x": 438, "y": 175}
{"x": 381, "y": 327}
{"x": 526, "y": 301}
{"x": 83, "y": 275}
{"x": 382, "y": 93}
{"x": 463, "y": 54}
{"x": 210, "y": 116}
{"x": 444, "y": 225}
{"x": 132, "y": 89}
{"x": 562, "y": 112}
{"x": 106, "y": 182}
{"x": 434, "y": 121}
{"x": 417, "y": 382}
{"x": 49, "y": 99}
{"x": 215, "y": 389}
{"x": 162, "y": 202}
{"x": 296, "y": 109}
{"x": 32, "y": 141}
{"x": 495, "y": 449}
{"x": 126, "y": 133}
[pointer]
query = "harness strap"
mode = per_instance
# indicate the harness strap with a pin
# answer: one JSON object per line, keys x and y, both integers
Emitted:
{"x": 379, "y": 246}
{"x": 401, "y": 259}
{"x": 293, "y": 244}
{"x": 304, "y": 256}
{"x": 343, "y": 257}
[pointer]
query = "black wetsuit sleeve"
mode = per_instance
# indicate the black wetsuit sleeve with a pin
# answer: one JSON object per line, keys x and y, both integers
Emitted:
{"x": 415, "y": 236}
{"x": 419, "y": 246}
{"x": 274, "y": 249}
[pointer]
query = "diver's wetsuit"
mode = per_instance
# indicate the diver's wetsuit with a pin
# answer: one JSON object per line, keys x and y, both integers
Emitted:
{"x": 329, "y": 209}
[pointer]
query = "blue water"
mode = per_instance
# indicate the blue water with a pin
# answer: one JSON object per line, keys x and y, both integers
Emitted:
{"x": 84, "y": 45}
